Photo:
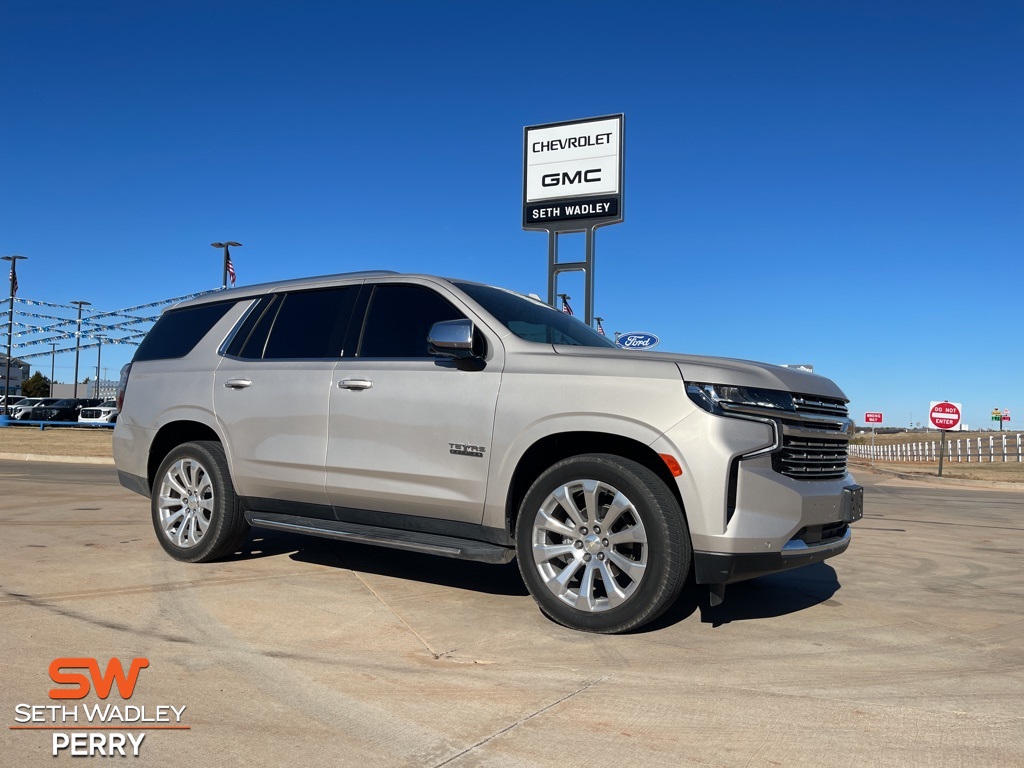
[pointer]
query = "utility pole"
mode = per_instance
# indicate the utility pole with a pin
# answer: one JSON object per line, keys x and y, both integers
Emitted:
{"x": 53, "y": 360}
{"x": 78, "y": 338}
{"x": 99, "y": 352}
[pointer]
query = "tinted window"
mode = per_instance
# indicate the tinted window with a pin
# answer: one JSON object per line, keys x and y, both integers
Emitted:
{"x": 533, "y": 320}
{"x": 399, "y": 319}
{"x": 177, "y": 331}
{"x": 311, "y": 324}
{"x": 244, "y": 329}
{"x": 253, "y": 347}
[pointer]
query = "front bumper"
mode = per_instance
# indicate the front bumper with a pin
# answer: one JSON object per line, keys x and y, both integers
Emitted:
{"x": 729, "y": 567}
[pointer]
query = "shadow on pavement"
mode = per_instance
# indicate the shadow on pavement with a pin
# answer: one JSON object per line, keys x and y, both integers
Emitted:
{"x": 413, "y": 566}
{"x": 765, "y": 597}
{"x": 774, "y": 595}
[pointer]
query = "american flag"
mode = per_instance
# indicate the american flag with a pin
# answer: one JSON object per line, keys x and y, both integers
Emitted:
{"x": 231, "y": 270}
{"x": 14, "y": 281}
{"x": 600, "y": 328}
{"x": 565, "y": 303}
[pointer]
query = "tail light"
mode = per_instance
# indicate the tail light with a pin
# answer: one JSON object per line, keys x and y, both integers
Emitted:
{"x": 122, "y": 384}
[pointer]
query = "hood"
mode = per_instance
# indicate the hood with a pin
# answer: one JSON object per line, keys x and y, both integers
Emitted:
{"x": 724, "y": 370}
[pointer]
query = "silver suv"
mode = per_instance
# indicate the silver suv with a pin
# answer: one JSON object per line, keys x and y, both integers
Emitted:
{"x": 463, "y": 420}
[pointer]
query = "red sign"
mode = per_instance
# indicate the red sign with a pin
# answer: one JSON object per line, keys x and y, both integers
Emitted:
{"x": 872, "y": 418}
{"x": 945, "y": 415}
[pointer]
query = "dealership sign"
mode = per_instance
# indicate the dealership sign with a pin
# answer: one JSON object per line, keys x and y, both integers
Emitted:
{"x": 573, "y": 173}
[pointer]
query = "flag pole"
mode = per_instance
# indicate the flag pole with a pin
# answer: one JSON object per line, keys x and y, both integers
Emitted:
{"x": 227, "y": 260}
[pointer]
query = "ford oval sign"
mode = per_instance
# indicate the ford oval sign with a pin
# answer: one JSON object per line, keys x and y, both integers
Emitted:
{"x": 637, "y": 340}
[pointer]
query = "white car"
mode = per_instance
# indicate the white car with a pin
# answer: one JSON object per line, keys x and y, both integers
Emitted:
{"x": 104, "y": 413}
{"x": 20, "y": 409}
{"x": 6, "y": 407}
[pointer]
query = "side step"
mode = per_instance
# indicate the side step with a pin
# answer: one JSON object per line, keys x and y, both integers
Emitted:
{"x": 414, "y": 541}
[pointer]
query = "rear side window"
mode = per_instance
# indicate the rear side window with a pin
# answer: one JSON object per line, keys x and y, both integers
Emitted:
{"x": 304, "y": 325}
{"x": 178, "y": 331}
{"x": 311, "y": 324}
{"x": 399, "y": 319}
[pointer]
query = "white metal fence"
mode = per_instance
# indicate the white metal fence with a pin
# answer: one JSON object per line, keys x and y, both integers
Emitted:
{"x": 994, "y": 448}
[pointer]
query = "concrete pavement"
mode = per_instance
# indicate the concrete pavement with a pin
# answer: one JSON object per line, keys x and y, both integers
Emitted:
{"x": 906, "y": 650}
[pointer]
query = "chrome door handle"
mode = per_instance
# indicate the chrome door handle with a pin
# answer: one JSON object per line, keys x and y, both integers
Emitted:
{"x": 355, "y": 384}
{"x": 237, "y": 383}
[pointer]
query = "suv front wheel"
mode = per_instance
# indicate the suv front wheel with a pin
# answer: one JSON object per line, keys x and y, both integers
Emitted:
{"x": 602, "y": 543}
{"x": 195, "y": 512}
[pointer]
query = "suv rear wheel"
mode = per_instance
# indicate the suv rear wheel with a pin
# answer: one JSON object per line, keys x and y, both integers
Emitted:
{"x": 602, "y": 543}
{"x": 195, "y": 512}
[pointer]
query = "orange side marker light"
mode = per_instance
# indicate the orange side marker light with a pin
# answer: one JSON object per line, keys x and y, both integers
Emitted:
{"x": 672, "y": 464}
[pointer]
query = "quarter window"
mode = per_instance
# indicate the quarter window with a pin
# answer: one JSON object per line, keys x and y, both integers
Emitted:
{"x": 178, "y": 331}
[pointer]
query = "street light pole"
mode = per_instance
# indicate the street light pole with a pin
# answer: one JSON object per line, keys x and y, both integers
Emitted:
{"x": 10, "y": 329}
{"x": 53, "y": 360}
{"x": 227, "y": 258}
{"x": 78, "y": 337}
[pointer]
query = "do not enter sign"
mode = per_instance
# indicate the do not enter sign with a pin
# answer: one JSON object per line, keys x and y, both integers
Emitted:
{"x": 945, "y": 415}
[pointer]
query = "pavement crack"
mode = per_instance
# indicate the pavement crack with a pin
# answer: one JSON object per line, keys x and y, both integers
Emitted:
{"x": 395, "y": 613}
{"x": 523, "y": 719}
{"x": 437, "y": 655}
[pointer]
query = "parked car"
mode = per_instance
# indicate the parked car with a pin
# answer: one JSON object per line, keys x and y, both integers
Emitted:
{"x": 20, "y": 410}
{"x": 104, "y": 413}
{"x": 8, "y": 409}
{"x": 66, "y": 409}
{"x": 458, "y": 419}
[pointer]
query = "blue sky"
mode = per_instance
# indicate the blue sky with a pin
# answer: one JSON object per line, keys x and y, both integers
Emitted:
{"x": 836, "y": 183}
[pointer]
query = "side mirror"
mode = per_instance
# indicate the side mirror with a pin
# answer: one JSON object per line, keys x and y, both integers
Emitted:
{"x": 451, "y": 338}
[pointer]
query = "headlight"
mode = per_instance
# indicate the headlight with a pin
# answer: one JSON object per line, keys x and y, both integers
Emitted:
{"x": 721, "y": 399}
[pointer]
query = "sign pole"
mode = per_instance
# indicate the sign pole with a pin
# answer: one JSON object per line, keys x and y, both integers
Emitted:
{"x": 872, "y": 418}
{"x": 942, "y": 449}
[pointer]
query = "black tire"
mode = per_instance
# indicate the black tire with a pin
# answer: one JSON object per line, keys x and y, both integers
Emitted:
{"x": 196, "y": 515}
{"x": 611, "y": 579}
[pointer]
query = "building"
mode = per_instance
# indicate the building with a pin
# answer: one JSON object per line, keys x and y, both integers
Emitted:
{"x": 20, "y": 371}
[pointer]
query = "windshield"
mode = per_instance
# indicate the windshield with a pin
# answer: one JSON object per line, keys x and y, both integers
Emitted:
{"x": 533, "y": 320}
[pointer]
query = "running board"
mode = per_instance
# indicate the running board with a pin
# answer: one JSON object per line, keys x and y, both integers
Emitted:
{"x": 414, "y": 541}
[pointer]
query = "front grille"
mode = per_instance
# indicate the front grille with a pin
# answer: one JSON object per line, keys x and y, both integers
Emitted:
{"x": 91, "y": 414}
{"x": 811, "y": 458}
{"x": 825, "y": 406}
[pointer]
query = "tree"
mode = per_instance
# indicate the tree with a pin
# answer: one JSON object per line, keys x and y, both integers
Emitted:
{"x": 36, "y": 386}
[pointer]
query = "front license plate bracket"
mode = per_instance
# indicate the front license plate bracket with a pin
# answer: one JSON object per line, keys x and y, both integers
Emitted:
{"x": 853, "y": 503}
